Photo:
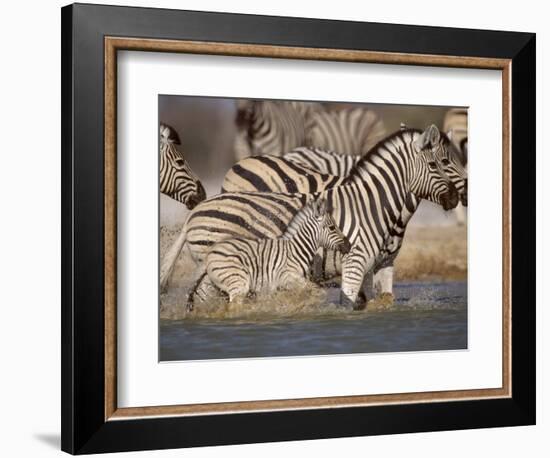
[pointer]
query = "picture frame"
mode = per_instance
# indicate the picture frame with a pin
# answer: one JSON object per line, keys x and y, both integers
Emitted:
{"x": 92, "y": 35}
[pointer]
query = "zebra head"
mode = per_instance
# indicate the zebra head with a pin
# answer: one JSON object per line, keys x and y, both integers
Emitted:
{"x": 177, "y": 180}
{"x": 330, "y": 236}
{"x": 435, "y": 166}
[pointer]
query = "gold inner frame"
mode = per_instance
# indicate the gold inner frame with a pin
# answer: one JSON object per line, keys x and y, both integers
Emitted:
{"x": 114, "y": 44}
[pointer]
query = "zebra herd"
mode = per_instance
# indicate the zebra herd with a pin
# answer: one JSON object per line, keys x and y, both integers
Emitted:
{"x": 289, "y": 213}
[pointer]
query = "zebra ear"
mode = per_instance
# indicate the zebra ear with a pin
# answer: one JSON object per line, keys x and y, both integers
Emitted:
{"x": 450, "y": 134}
{"x": 169, "y": 134}
{"x": 402, "y": 126}
{"x": 429, "y": 138}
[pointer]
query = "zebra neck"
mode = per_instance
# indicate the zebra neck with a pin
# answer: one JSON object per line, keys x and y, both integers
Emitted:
{"x": 390, "y": 160}
{"x": 304, "y": 245}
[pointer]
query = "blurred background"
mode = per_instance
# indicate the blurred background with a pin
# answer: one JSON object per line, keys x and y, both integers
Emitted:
{"x": 207, "y": 129}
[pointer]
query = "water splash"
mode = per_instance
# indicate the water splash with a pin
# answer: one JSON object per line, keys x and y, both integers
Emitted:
{"x": 309, "y": 302}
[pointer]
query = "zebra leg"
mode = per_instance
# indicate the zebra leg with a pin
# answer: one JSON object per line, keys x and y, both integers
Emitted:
{"x": 383, "y": 286}
{"x": 354, "y": 267}
{"x": 193, "y": 292}
{"x": 202, "y": 291}
{"x": 237, "y": 293}
{"x": 460, "y": 213}
{"x": 366, "y": 291}
{"x": 383, "y": 280}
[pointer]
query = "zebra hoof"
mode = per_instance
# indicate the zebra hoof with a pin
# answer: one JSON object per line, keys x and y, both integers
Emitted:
{"x": 361, "y": 303}
{"x": 346, "y": 302}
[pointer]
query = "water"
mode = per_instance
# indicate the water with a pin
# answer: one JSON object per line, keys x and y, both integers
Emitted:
{"x": 425, "y": 316}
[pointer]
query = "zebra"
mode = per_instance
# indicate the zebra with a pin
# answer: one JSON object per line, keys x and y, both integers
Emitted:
{"x": 272, "y": 127}
{"x": 241, "y": 266}
{"x": 177, "y": 180}
{"x": 352, "y": 131}
{"x": 328, "y": 266}
{"x": 365, "y": 208}
{"x": 275, "y": 174}
{"x": 456, "y": 121}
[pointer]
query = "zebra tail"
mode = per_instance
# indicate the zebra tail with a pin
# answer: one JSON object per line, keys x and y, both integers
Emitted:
{"x": 170, "y": 258}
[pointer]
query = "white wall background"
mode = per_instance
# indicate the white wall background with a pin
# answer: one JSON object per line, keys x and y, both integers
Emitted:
{"x": 30, "y": 233}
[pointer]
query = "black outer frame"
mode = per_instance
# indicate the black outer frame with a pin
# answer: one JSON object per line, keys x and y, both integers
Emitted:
{"x": 83, "y": 425}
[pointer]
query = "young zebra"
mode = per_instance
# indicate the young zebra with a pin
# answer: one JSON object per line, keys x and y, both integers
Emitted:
{"x": 177, "y": 180}
{"x": 272, "y": 127}
{"x": 239, "y": 266}
{"x": 365, "y": 209}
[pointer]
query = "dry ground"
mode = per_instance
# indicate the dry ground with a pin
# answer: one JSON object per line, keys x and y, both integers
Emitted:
{"x": 433, "y": 253}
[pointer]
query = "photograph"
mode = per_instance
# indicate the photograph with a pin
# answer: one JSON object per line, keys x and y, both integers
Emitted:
{"x": 310, "y": 228}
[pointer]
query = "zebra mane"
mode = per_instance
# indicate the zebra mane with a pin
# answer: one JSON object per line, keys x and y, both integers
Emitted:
{"x": 403, "y": 130}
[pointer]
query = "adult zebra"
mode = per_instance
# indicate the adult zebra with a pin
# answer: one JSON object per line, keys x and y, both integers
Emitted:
{"x": 456, "y": 121}
{"x": 177, "y": 180}
{"x": 352, "y": 131}
{"x": 279, "y": 175}
{"x": 273, "y": 127}
{"x": 365, "y": 209}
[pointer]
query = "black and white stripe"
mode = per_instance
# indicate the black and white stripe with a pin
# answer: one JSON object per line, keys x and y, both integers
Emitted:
{"x": 276, "y": 174}
{"x": 351, "y": 131}
{"x": 365, "y": 208}
{"x": 274, "y": 127}
{"x": 241, "y": 266}
{"x": 271, "y": 126}
{"x": 323, "y": 161}
{"x": 177, "y": 180}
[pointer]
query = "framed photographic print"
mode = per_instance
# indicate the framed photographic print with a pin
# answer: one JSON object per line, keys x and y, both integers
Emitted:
{"x": 281, "y": 228}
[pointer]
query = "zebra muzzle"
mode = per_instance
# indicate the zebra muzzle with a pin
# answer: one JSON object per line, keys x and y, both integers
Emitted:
{"x": 464, "y": 194}
{"x": 450, "y": 199}
{"x": 345, "y": 247}
{"x": 196, "y": 198}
